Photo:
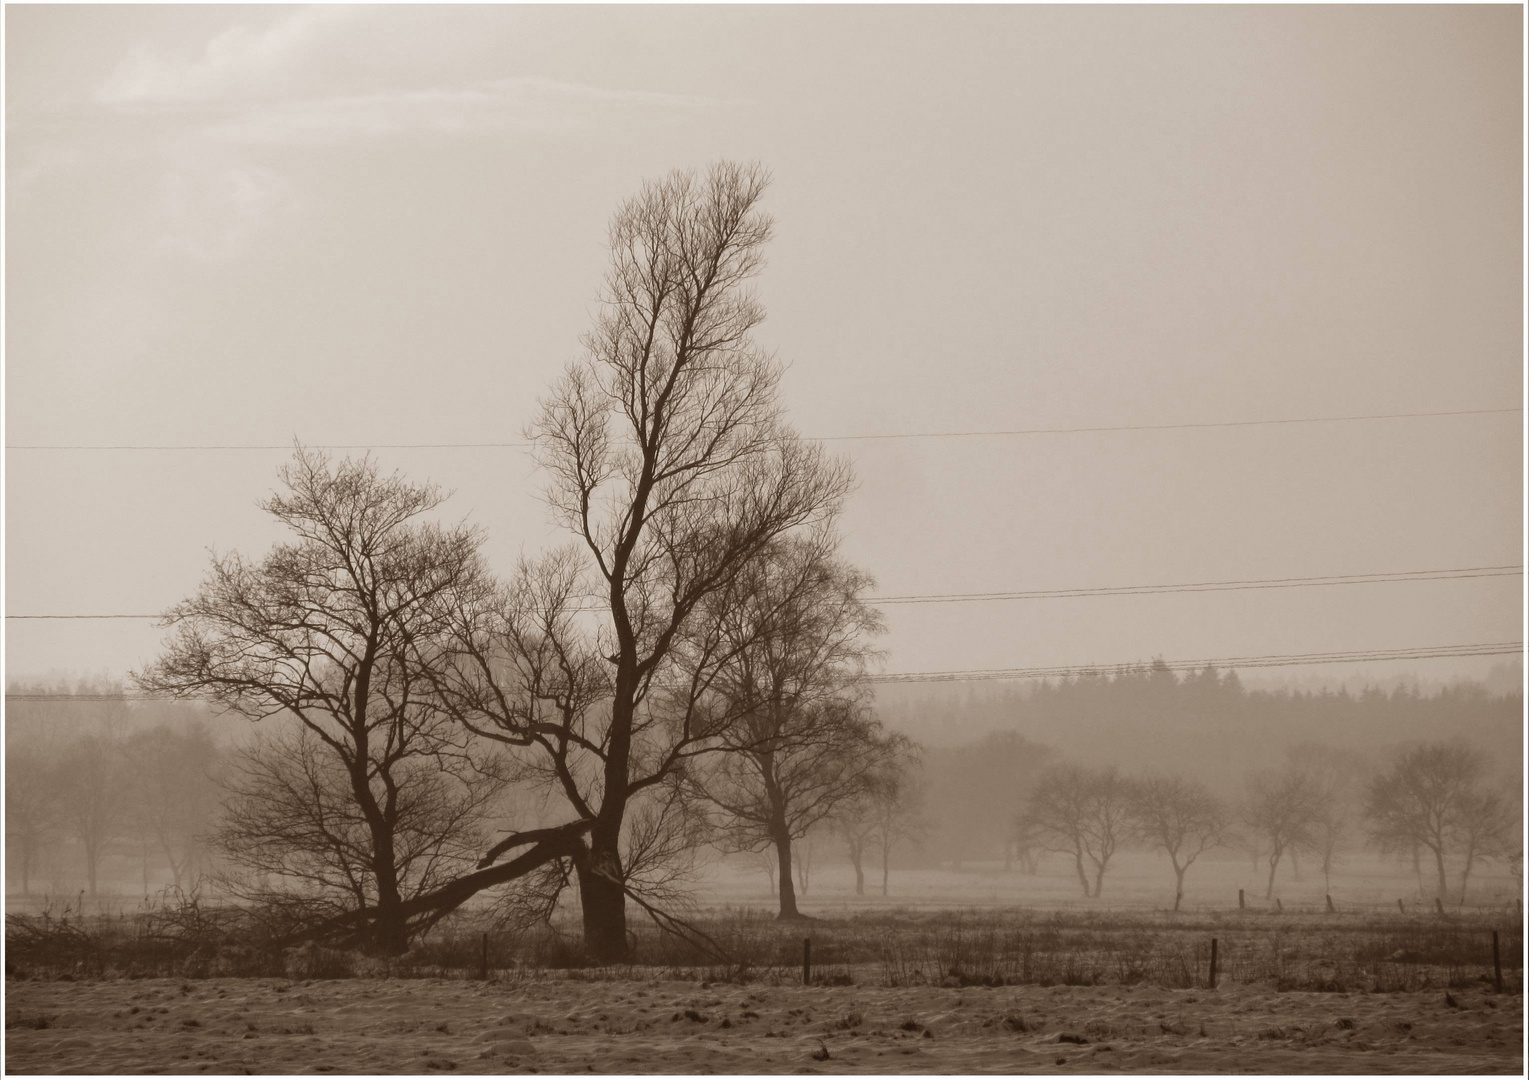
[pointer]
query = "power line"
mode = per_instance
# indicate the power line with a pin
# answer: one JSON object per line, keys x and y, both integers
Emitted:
{"x": 1362, "y": 656}
{"x": 1379, "y": 578}
{"x": 1353, "y": 656}
{"x": 822, "y": 438}
{"x": 1382, "y": 578}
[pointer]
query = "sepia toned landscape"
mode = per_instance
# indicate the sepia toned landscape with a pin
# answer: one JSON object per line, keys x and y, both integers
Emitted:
{"x": 764, "y": 540}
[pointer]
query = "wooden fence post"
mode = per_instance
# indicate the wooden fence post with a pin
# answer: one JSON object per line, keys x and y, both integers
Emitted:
{"x": 1212, "y": 963}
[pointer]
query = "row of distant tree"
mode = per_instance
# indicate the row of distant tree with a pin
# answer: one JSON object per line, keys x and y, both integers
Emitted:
{"x": 152, "y": 793}
{"x": 166, "y": 795}
{"x": 1431, "y": 805}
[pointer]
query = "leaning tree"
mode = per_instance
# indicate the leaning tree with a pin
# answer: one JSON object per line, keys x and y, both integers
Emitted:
{"x": 326, "y": 639}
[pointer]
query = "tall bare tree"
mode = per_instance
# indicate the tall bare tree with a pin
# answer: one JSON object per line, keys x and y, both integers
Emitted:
{"x": 331, "y": 630}
{"x": 1085, "y": 813}
{"x": 670, "y": 463}
{"x": 791, "y": 640}
{"x": 1284, "y": 810}
{"x": 1182, "y": 818}
{"x": 1422, "y": 800}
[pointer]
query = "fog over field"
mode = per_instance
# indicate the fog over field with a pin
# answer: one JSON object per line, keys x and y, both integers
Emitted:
{"x": 857, "y": 539}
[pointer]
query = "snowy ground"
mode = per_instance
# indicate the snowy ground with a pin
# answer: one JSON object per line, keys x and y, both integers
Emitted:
{"x": 558, "y": 1024}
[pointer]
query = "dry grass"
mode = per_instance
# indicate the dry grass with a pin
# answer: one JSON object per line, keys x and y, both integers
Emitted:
{"x": 1367, "y": 952}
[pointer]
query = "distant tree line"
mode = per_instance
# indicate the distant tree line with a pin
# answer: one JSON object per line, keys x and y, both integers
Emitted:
{"x": 92, "y": 777}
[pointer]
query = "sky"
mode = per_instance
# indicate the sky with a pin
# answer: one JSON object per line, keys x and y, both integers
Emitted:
{"x": 240, "y": 226}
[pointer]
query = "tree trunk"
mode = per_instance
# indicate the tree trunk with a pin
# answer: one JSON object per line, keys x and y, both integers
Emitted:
{"x": 389, "y": 934}
{"x": 857, "y": 857}
{"x": 886, "y": 857}
{"x": 787, "y": 886}
{"x": 1438, "y": 858}
{"x": 1077, "y": 858}
{"x": 90, "y": 866}
{"x": 1099, "y": 880}
{"x": 1273, "y": 866}
{"x": 603, "y": 904}
{"x": 1178, "y": 893}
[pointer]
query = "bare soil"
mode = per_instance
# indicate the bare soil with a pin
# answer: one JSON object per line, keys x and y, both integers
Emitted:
{"x": 556, "y": 1023}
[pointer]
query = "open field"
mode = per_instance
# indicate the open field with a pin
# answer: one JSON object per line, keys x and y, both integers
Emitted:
{"x": 892, "y": 991}
{"x": 648, "y": 1024}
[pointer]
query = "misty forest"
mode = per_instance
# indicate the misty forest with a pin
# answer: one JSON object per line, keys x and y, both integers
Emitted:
{"x": 674, "y": 740}
{"x": 365, "y": 728}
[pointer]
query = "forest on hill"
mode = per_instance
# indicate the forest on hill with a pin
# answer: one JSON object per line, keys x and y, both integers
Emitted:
{"x": 986, "y": 745}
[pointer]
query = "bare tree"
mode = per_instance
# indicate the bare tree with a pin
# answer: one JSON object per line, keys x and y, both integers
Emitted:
{"x": 799, "y": 741}
{"x": 1421, "y": 801}
{"x": 292, "y": 823}
{"x": 1182, "y": 818}
{"x": 333, "y": 629}
{"x": 856, "y": 824}
{"x": 1488, "y": 829}
{"x": 1339, "y": 773}
{"x": 173, "y": 799}
{"x": 1284, "y": 809}
{"x": 93, "y": 793}
{"x": 32, "y": 807}
{"x": 671, "y": 465}
{"x": 1085, "y": 813}
{"x": 897, "y": 804}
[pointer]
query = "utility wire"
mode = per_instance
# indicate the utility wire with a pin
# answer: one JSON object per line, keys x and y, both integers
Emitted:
{"x": 1352, "y": 656}
{"x": 1362, "y": 656}
{"x": 1379, "y": 578}
{"x": 821, "y": 438}
{"x": 1212, "y": 586}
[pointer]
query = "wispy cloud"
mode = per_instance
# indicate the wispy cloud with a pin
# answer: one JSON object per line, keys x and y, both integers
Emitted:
{"x": 239, "y": 64}
{"x": 527, "y": 104}
{"x": 328, "y": 72}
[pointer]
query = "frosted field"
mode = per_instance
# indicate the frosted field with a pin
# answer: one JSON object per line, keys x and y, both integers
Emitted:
{"x": 558, "y": 1024}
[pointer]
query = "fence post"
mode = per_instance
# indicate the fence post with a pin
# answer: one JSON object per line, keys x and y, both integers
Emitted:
{"x": 806, "y": 961}
{"x": 1242, "y": 901}
{"x": 1496, "y": 964}
{"x": 484, "y": 965}
{"x": 1330, "y": 908}
{"x": 1212, "y": 963}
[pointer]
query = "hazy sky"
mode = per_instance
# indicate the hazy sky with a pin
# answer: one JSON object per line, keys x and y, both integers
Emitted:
{"x": 386, "y": 225}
